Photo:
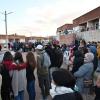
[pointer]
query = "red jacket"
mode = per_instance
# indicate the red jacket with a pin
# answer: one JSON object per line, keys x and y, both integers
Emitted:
{"x": 13, "y": 66}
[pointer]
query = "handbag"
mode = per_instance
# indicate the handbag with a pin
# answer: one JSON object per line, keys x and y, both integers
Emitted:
{"x": 87, "y": 83}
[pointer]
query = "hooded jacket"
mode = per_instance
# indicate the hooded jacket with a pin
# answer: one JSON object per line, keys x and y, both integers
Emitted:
{"x": 43, "y": 63}
{"x": 64, "y": 93}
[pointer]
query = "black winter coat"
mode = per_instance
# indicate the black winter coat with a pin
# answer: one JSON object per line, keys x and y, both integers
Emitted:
{"x": 68, "y": 96}
{"x": 78, "y": 61}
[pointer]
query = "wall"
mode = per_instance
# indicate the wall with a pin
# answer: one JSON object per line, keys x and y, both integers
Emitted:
{"x": 68, "y": 39}
{"x": 76, "y": 29}
{"x": 93, "y": 35}
{"x": 2, "y": 41}
{"x": 22, "y": 40}
{"x": 99, "y": 23}
{"x": 89, "y": 24}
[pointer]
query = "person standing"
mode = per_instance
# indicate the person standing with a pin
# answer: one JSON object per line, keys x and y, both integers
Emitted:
{"x": 83, "y": 47}
{"x": 7, "y": 66}
{"x": 31, "y": 65}
{"x": 57, "y": 59}
{"x": 78, "y": 61}
{"x": 85, "y": 73}
{"x": 43, "y": 63}
{"x": 20, "y": 82}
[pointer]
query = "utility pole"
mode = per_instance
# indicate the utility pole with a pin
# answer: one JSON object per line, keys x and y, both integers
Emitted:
{"x": 6, "y": 31}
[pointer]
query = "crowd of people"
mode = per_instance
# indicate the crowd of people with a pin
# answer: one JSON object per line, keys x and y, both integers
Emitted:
{"x": 66, "y": 72}
{"x": 23, "y": 46}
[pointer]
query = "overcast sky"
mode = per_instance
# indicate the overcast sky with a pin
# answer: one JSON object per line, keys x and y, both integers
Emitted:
{"x": 42, "y": 17}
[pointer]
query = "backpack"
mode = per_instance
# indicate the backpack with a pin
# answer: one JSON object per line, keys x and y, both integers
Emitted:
{"x": 46, "y": 60}
{"x": 45, "y": 63}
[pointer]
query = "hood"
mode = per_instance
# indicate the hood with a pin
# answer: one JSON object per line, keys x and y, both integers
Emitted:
{"x": 40, "y": 52}
{"x": 59, "y": 90}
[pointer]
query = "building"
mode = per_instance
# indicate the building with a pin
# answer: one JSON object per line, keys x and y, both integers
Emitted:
{"x": 12, "y": 38}
{"x": 87, "y": 26}
{"x": 64, "y": 34}
{"x": 21, "y": 38}
{"x": 34, "y": 38}
{"x": 65, "y": 29}
{"x": 67, "y": 39}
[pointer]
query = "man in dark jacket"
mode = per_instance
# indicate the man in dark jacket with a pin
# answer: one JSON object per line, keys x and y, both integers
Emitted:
{"x": 57, "y": 58}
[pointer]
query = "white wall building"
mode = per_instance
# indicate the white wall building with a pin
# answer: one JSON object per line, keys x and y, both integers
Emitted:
{"x": 87, "y": 26}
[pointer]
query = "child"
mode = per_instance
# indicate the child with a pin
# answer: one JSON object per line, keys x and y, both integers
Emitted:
{"x": 97, "y": 88}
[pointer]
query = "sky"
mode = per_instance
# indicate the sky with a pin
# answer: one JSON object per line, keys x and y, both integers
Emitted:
{"x": 41, "y": 17}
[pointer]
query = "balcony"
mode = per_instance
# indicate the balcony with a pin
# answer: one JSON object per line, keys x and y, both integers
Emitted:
{"x": 90, "y": 35}
{"x": 90, "y": 28}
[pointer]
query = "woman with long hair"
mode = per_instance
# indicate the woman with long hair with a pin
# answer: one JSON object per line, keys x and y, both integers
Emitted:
{"x": 21, "y": 82}
{"x": 6, "y": 68}
{"x": 31, "y": 64}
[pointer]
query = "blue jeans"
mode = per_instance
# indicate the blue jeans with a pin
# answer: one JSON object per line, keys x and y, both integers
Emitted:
{"x": 31, "y": 90}
{"x": 20, "y": 96}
